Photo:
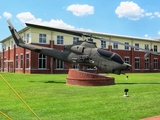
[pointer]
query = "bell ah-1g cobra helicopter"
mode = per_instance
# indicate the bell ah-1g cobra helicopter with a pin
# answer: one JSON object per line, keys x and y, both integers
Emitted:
{"x": 84, "y": 53}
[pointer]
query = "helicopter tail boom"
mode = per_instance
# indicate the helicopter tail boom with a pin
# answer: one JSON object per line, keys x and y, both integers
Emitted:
{"x": 16, "y": 36}
{"x": 19, "y": 42}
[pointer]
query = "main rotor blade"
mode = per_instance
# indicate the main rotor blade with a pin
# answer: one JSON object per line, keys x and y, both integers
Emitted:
{"x": 112, "y": 41}
{"x": 138, "y": 48}
{"x": 80, "y": 33}
{"x": 68, "y": 31}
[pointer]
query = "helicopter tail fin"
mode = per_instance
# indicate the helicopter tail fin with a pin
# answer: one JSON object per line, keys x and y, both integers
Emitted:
{"x": 18, "y": 40}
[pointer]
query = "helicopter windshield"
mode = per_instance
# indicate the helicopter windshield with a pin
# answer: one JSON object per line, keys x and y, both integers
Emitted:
{"x": 111, "y": 55}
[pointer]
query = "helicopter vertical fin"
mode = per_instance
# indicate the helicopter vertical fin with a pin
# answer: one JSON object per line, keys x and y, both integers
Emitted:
{"x": 15, "y": 34}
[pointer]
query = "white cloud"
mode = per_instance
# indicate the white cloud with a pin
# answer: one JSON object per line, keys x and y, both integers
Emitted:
{"x": 157, "y": 14}
{"x": 129, "y": 10}
{"x": 148, "y": 14}
{"x": 27, "y": 17}
{"x": 158, "y": 32}
{"x": 146, "y": 35}
{"x": 7, "y": 15}
{"x": 132, "y": 11}
{"x": 153, "y": 15}
{"x": 80, "y": 10}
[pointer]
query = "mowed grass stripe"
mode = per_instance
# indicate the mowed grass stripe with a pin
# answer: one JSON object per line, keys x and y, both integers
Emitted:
{"x": 50, "y": 98}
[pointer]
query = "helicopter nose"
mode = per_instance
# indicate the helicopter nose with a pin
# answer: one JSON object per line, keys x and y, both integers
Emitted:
{"x": 124, "y": 66}
{"x": 127, "y": 66}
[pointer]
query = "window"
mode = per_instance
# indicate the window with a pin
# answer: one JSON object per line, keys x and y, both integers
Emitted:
{"x": 103, "y": 44}
{"x": 75, "y": 39}
{"x": 146, "y": 63}
{"x": 42, "y": 61}
{"x": 137, "y": 46}
{"x": 60, "y": 40}
{"x": 16, "y": 61}
{"x": 75, "y": 66}
{"x": 146, "y": 47}
{"x": 59, "y": 64}
{"x": 115, "y": 45}
{"x": 90, "y": 40}
{"x": 21, "y": 61}
{"x": 9, "y": 44}
{"x": 12, "y": 44}
{"x": 155, "y": 48}
{"x": 42, "y": 38}
{"x": 126, "y": 60}
{"x": 27, "y": 60}
{"x": 4, "y": 46}
{"x": 137, "y": 63}
{"x": 126, "y": 47}
{"x": 4, "y": 63}
{"x": 155, "y": 63}
{"x": 27, "y": 38}
{"x": 90, "y": 68}
{"x": 22, "y": 38}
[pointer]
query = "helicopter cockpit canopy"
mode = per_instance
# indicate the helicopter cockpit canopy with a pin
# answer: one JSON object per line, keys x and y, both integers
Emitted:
{"x": 108, "y": 54}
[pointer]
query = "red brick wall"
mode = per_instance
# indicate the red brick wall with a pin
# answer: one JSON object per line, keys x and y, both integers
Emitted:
{"x": 51, "y": 63}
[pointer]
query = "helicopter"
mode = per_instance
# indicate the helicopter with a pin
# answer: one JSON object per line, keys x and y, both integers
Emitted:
{"x": 82, "y": 53}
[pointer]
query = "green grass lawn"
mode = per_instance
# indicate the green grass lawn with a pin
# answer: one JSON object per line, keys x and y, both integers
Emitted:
{"x": 51, "y": 99}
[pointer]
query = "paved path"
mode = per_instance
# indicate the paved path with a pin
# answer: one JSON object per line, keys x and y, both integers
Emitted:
{"x": 152, "y": 118}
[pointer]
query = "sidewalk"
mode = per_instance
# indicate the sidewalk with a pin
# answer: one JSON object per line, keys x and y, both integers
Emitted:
{"x": 152, "y": 118}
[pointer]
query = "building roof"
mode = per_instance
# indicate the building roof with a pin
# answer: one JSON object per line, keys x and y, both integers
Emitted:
{"x": 21, "y": 31}
{"x": 79, "y": 32}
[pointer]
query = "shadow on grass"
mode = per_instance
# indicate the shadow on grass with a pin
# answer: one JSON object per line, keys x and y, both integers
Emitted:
{"x": 133, "y": 83}
{"x": 55, "y": 82}
{"x": 50, "y": 81}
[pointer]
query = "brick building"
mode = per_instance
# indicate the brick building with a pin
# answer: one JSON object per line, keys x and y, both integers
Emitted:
{"x": 16, "y": 59}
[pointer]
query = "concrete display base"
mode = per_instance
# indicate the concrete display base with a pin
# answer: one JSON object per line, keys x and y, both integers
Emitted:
{"x": 76, "y": 77}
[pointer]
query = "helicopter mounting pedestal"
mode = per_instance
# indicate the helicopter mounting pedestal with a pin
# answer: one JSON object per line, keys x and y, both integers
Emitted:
{"x": 76, "y": 77}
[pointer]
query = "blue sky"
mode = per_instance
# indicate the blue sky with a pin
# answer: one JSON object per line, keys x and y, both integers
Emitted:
{"x": 139, "y": 18}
